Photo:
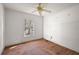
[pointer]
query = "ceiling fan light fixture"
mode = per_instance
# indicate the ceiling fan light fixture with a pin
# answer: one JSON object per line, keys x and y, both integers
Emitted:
{"x": 40, "y": 9}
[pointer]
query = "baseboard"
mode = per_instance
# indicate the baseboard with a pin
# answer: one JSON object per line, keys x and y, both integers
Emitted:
{"x": 62, "y": 46}
{"x": 23, "y": 42}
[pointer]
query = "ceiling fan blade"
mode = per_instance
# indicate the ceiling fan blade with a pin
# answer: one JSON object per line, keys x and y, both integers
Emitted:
{"x": 34, "y": 11}
{"x": 47, "y": 10}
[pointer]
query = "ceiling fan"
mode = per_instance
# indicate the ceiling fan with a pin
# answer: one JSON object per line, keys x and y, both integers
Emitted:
{"x": 41, "y": 9}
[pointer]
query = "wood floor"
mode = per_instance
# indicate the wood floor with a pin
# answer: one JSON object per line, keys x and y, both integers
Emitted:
{"x": 38, "y": 47}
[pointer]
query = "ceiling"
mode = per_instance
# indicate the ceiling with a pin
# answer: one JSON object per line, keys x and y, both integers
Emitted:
{"x": 29, "y": 7}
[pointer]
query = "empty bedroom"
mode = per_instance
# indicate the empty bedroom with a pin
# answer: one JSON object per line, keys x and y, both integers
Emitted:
{"x": 39, "y": 28}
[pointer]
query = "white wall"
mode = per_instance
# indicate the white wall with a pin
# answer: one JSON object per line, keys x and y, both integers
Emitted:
{"x": 63, "y": 27}
{"x": 15, "y": 26}
{"x": 1, "y": 28}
